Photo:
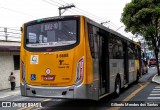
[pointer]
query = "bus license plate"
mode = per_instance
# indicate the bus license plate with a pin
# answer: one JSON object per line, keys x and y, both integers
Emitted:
{"x": 48, "y": 78}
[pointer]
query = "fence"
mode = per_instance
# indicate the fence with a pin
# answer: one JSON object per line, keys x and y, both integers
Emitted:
{"x": 10, "y": 34}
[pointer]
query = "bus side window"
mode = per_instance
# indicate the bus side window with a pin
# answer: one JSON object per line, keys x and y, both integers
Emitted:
{"x": 136, "y": 52}
{"x": 96, "y": 47}
{"x": 131, "y": 53}
{"x": 91, "y": 39}
{"x": 115, "y": 48}
{"x": 96, "y": 41}
{"x": 111, "y": 47}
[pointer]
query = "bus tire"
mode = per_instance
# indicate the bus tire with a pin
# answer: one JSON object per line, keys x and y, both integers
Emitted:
{"x": 117, "y": 87}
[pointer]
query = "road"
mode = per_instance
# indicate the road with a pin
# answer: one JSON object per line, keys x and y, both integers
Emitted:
{"x": 145, "y": 93}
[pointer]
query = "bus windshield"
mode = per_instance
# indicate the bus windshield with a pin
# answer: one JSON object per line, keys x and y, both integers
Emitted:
{"x": 52, "y": 34}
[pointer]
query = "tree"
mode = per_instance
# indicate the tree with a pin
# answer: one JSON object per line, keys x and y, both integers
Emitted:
{"x": 142, "y": 17}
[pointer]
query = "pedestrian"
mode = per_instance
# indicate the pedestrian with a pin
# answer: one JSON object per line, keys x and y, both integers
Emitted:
{"x": 12, "y": 81}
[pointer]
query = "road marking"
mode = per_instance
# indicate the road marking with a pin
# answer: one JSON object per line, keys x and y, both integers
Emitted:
{"x": 130, "y": 96}
{"x": 156, "y": 89}
{"x": 29, "y": 108}
{"x": 39, "y": 108}
{"x": 153, "y": 98}
{"x": 154, "y": 94}
{"x": 45, "y": 100}
{"x": 24, "y": 108}
{"x": 135, "y": 92}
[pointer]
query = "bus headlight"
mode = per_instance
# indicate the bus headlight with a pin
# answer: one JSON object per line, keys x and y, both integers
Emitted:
{"x": 80, "y": 71}
{"x": 23, "y": 73}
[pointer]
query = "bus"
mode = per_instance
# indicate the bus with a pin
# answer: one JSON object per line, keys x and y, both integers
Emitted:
{"x": 74, "y": 57}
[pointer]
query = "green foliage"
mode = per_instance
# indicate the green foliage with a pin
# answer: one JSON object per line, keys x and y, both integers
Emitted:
{"x": 142, "y": 17}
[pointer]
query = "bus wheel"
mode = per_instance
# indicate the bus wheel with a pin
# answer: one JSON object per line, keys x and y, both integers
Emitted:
{"x": 117, "y": 87}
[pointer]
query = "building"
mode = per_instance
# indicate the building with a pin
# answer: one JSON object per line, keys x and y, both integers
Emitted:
{"x": 9, "y": 62}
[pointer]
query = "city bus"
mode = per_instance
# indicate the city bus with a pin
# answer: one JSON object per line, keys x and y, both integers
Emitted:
{"x": 74, "y": 57}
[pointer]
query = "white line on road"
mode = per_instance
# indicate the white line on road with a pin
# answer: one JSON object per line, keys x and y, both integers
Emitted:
{"x": 157, "y": 87}
{"x": 154, "y": 94}
{"x": 153, "y": 98}
{"x": 155, "y": 91}
{"x": 45, "y": 100}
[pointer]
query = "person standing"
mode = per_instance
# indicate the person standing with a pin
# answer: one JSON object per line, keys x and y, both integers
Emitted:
{"x": 12, "y": 81}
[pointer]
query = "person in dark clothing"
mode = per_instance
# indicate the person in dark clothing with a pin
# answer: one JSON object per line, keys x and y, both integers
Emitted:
{"x": 12, "y": 81}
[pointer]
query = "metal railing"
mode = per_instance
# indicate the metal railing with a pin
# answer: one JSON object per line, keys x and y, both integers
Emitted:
{"x": 10, "y": 34}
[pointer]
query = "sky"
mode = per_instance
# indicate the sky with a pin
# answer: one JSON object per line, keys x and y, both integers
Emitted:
{"x": 16, "y": 12}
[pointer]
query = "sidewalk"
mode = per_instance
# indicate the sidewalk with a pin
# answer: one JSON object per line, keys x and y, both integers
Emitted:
{"x": 7, "y": 92}
{"x": 156, "y": 79}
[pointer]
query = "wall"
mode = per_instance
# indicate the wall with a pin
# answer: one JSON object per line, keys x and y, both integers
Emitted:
{"x": 2, "y": 43}
{"x": 6, "y": 67}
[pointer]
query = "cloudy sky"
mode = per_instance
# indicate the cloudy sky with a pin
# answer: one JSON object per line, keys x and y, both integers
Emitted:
{"x": 16, "y": 12}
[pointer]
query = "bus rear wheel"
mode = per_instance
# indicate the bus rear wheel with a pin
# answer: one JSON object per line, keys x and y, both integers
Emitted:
{"x": 117, "y": 87}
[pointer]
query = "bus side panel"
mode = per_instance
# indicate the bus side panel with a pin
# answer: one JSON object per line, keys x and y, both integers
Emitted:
{"x": 95, "y": 79}
{"x": 116, "y": 67}
{"x": 136, "y": 68}
{"x": 86, "y": 87}
{"x": 92, "y": 70}
{"x": 22, "y": 61}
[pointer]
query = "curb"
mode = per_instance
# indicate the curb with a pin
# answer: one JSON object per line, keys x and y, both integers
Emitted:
{"x": 153, "y": 79}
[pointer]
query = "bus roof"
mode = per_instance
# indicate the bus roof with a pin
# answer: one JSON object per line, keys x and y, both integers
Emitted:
{"x": 89, "y": 20}
{"x": 111, "y": 31}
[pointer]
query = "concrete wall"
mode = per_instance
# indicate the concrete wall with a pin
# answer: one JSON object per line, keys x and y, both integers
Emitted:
{"x": 2, "y": 43}
{"x": 6, "y": 67}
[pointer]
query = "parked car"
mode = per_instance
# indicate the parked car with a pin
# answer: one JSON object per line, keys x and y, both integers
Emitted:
{"x": 152, "y": 61}
{"x": 144, "y": 67}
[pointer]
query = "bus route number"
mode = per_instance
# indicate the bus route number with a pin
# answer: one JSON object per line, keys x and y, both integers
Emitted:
{"x": 62, "y": 55}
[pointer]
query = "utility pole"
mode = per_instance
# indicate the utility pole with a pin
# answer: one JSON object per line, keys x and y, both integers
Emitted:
{"x": 5, "y": 31}
{"x": 64, "y": 8}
